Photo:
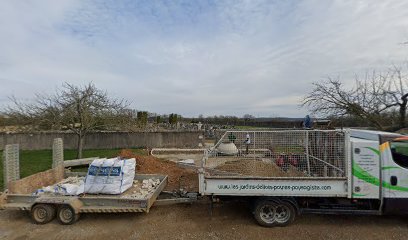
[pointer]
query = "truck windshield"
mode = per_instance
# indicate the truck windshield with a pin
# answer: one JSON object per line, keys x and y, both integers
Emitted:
{"x": 399, "y": 150}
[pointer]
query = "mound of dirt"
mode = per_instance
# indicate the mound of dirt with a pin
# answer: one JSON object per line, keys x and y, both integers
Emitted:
{"x": 177, "y": 177}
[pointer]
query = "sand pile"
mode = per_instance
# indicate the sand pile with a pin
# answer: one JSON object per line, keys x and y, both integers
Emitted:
{"x": 178, "y": 177}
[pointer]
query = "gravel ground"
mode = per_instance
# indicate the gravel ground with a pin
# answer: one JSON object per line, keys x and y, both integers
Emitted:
{"x": 229, "y": 221}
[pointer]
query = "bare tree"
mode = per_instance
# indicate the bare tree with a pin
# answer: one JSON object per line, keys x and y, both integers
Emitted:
{"x": 395, "y": 92}
{"x": 372, "y": 98}
{"x": 332, "y": 98}
{"x": 81, "y": 109}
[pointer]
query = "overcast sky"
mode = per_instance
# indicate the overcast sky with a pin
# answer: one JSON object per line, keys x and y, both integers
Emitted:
{"x": 197, "y": 57}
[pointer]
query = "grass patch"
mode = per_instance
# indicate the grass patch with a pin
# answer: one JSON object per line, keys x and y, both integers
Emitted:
{"x": 34, "y": 161}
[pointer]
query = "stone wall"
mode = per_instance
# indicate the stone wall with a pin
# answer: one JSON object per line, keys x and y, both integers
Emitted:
{"x": 106, "y": 140}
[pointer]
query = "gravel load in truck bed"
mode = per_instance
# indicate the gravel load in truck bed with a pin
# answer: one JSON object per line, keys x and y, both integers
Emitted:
{"x": 257, "y": 168}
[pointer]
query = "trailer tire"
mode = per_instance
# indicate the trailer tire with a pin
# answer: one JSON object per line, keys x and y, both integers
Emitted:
{"x": 42, "y": 213}
{"x": 271, "y": 213}
{"x": 66, "y": 215}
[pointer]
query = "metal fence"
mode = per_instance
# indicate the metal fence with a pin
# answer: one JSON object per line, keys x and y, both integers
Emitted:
{"x": 280, "y": 153}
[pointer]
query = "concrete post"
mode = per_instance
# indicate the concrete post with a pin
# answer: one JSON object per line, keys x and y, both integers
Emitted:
{"x": 57, "y": 152}
{"x": 11, "y": 163}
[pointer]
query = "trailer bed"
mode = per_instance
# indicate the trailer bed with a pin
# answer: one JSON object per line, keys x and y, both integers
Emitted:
{"x": 91, "y": 202}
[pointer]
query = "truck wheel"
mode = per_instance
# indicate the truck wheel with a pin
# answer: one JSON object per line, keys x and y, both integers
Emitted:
{"x": 43, "y": 213}
{"x": 285, "y": 214}
{"x": 270, "y": 213}
{"x": 66, "y": 215}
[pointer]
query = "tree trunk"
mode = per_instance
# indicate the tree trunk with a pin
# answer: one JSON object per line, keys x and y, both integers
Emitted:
{"x": 402, "y": 114}
{"x": 80, "y": 145}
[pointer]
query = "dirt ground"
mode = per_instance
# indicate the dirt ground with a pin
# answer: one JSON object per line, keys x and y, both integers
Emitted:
{"x": 229, "y": 221}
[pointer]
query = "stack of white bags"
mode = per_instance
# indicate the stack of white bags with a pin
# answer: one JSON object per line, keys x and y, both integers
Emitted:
{"x": 110, "y": 176}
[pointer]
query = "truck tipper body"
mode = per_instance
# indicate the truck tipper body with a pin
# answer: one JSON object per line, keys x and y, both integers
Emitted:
{"x": 288, "y": 172}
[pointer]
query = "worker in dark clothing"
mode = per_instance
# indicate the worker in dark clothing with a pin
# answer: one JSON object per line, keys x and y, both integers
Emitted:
{"x": 231, "y": 138}
{"x": 307, "y": 122}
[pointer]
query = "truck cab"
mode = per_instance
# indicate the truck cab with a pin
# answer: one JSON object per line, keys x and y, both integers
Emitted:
{"x": 380, "y": 169}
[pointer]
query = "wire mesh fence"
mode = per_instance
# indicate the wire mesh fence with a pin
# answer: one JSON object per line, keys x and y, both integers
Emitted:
{"x": 280, "y": 153}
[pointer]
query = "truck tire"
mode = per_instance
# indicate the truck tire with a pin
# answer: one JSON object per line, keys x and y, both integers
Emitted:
{"x": 42, "y": 213}
{"x": 270, "y": 213}
{"x": 285, "y": 214}
{"x": 66, "y": 215}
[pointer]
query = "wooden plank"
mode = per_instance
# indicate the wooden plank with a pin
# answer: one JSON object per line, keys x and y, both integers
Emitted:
{"x": 79, "y": 162}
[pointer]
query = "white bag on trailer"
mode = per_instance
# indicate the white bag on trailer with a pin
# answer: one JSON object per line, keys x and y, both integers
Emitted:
{"x": 110, "y": 176}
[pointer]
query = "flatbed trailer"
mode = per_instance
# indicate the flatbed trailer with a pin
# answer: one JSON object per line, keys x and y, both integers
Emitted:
{"x": 288, "y": 172}
{"x": 67, "y": 209}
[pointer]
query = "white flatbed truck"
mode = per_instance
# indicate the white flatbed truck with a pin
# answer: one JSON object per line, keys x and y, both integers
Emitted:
{"x": 289, "y": 172}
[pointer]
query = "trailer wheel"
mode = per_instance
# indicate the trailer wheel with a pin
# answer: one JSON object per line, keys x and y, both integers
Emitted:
{"x": 270, "y": 213}
{"x": 66, "y": 215}
{"x": 43, "y": 213}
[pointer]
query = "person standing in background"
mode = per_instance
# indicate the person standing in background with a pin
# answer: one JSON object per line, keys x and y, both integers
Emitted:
{"x": 231, "y": 138}
{"x": 307, "y": 122}
{"x": 247, "y": 142}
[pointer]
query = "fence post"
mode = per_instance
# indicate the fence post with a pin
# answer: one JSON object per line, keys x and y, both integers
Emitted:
{"x": 57, "y": 152}
{"x": 307, "y": 151}
{"x": 11, "y": 164}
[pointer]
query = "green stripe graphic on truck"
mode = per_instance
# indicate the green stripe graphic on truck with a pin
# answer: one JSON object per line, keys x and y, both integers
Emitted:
{"x": 363, "y": 175}
{"x": 376, "y": 151}
{"x": 359, "y": 195}
{"x": 389, "y": 167}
